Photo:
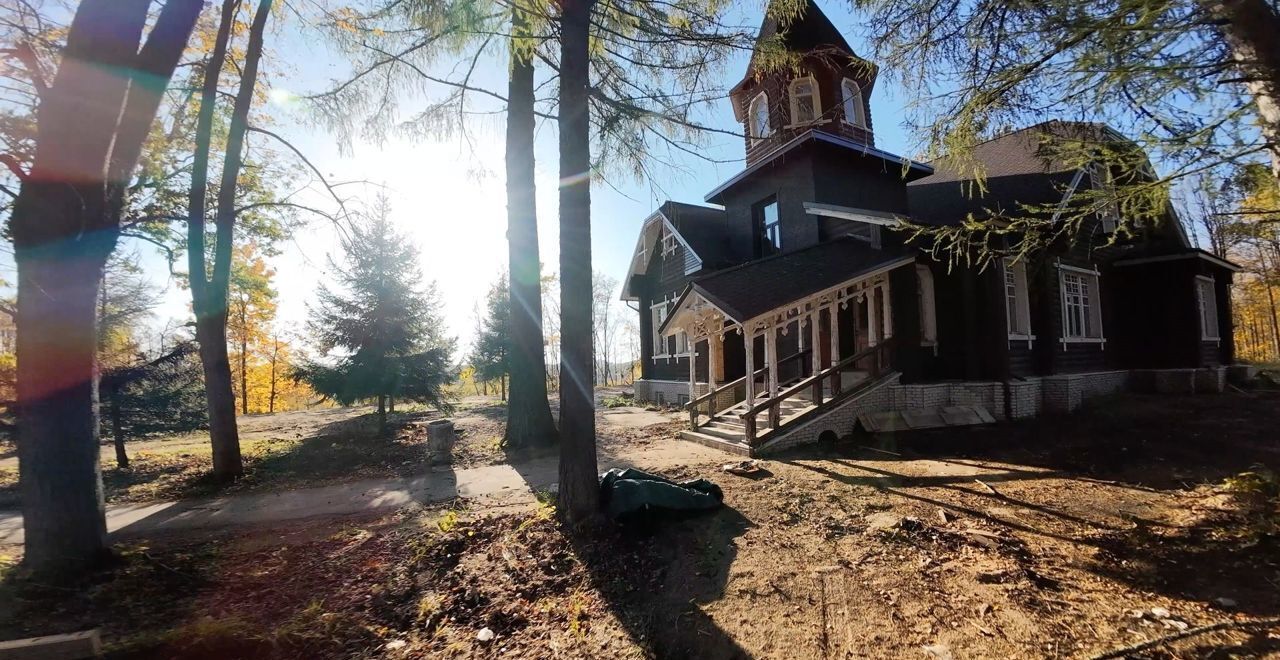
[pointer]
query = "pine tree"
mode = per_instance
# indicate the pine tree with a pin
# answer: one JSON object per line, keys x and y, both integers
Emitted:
{"x": 491, "y": 355}
{"x": 387, "y": 332}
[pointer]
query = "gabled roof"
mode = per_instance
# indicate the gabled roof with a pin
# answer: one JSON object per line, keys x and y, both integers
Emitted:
{"x": 858, "y": 149}
{"x": 754, "y": 288}
{"x": 699, "y": 229}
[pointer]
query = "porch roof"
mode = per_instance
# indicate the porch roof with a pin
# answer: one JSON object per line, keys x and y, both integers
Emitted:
{"x": 747, "y": 291}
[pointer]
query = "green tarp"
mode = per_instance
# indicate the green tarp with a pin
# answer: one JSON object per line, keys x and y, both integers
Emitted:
{"x": 632, "y": 491}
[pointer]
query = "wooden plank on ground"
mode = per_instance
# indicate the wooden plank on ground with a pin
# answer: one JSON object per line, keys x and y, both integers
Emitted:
{"x": 72, "y": 646}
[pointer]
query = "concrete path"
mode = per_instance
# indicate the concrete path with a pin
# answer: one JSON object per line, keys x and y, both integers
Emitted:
{"x": 489, "y": 484}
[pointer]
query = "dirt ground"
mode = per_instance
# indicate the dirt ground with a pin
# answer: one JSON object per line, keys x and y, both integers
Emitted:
{"x": 1058, "y": 537}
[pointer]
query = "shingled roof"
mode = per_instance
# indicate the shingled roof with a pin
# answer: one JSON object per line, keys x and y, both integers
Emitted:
{"x": 810, "y": 31}
{"x": 747, "y": 291}
{"x": 1014, "y": 168}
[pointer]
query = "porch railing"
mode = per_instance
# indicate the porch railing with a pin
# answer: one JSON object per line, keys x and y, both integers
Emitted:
{"x": 876, "y": 360}
{"x": 708, "y": 400}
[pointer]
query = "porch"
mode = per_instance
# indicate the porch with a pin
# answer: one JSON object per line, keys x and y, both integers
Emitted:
{"x": 751, "y": 379}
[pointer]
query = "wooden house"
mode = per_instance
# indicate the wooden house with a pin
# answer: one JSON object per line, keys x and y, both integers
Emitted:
{"x": 789, "y": 308}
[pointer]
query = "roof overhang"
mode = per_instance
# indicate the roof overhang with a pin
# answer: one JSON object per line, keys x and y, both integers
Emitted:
{"x": 857, "y": 215}
{"x": 650, "y": 236}
{"x": 1193, "y": 254}
{"x": 696, "y": 300}
{"x": 819, "y": 136}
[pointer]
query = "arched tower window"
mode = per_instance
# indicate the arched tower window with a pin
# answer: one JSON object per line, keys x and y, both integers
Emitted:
{"x": 758, "y": 117}
{"x": 853, "y": 108}
{"x": 805, "y": 107}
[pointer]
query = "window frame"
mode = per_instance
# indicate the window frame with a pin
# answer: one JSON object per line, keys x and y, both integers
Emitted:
{"x": 669, "y": 242}
{"x": 753, "y": 130}
{"x": 815, "y": 96}
{"x": 658, "y": 343}
{"x": 1102, "y": 178}
{"x": 1091, "y": 304}
{"x": 859, "y": 118}
{"x": 1017, "y": 268}
{"x": 761, "y": 226}
{"x": 928, "y": 299}
{"x": 1201, "y": 281}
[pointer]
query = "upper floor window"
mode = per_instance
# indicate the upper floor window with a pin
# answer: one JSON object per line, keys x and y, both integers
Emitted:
{"x": 804, "y": 101}
{"x": 758, "y": 117}
{"x": 768, "y": 231}
{"x": 928, "y": 306}
{"x": 1207, "y": 302}
{"x": 1081, "y": 307}
{"x": 669, "y": 243}
{"x": 853, "y": 110}
{"x": 1104, "y": 182}
{"x": 1016, "y": 303}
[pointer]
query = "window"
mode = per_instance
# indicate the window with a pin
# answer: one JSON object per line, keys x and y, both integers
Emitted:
{"x": 658, "y": 314}
{"x": 1103, "y": 181}
{"x": 1016, "y": 304}
{"x": 1081, "y": 313}
{"x": 758, "y": 118}
{"x": 669, "y": 242}
{"x": 804, "y": 101}
{"x": 928, "y": 309}
{"x": 768, "y": 232}
{"x": 853, "y": 110}
{"x": 1207, "y": 303}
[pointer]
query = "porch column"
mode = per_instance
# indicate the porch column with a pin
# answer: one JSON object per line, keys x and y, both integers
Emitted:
{"x": 771, "y": 361}
{"x": 693, "y": 368}
{"x": 751, "y": 367}
{"x": 833, "y": 318}
{"x": 886, "y": 313}
{"x": 871, "y": 317}
{"x": 816, "y": 356}
{"x": 771, "y": 358}
{"x": 715, "y": 357}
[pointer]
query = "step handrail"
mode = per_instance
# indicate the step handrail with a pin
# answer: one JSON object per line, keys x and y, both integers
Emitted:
{"x": 693, "y": 405}
{"x": 879, "y": 351}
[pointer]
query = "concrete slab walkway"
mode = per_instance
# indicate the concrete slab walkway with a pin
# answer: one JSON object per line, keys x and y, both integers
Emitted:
{"x": 492, "y": 484}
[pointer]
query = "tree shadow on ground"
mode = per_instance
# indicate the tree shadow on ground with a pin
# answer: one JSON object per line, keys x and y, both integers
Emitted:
{"x": 658, "y": 571}
{"x": 1154, "y": 448}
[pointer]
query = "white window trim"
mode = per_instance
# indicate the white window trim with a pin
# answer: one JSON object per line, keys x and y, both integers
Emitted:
{"x": 795, "y": 106}
{"x": 1102, "y": 179}
{"x": 928, "y": 307}
{"x": 1200, "y": 307}
{"x": 1097, "y": 302}
{"x": 762, "y": 98}
{"x": 680, "y": 335}
{"x": 669, "y": 241}
{"x": 653, "y": 320}
{"x": 859, "y": 115}
{"x": 1023, "y": 302}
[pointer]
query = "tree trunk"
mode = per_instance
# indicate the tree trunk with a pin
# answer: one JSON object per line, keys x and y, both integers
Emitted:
{"x": 391, "y": 404}
{"x": 579, "y": 489}
{"x": 1249, "y": 28}
{"x": 59, "y": 472}
{"x": 382, "y": 414}
{"x": 224, "y": 436}
{"x": 529, "y": 421}
{"x": 63, "y": 230}
{"x": 209, "y": 294}
{"x": 275, "y": 359}
{"x": 117, "y": 429}
{"x": 244, "y": 358}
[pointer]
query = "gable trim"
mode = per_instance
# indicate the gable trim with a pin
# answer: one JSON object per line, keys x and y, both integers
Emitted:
{"x": 691, "y": 265}
{"x": 1195, "y": 254}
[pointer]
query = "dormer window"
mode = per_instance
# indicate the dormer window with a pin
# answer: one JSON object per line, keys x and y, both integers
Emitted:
{"x": 1103, "y": 181}
{"x": 758, "y": 118}
{"x": 804, "y": 101}
{"x": 853, "y": 109}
